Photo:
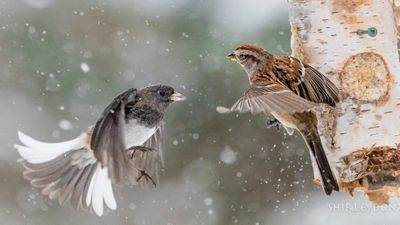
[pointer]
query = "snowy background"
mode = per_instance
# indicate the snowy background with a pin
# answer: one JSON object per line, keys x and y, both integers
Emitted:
{"x": 61, "y": 63}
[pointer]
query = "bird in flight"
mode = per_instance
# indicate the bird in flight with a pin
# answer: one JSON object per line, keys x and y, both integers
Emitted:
{"x": 123, "y": 147}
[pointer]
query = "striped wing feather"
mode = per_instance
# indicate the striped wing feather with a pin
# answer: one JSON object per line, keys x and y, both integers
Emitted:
{"x": 305, "y": 81}
{"x": 323, "y": 90}
{"x": 271, "y": 98}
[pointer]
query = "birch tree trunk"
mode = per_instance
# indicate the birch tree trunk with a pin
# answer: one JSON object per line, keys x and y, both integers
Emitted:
{"x": 354, "y": 43}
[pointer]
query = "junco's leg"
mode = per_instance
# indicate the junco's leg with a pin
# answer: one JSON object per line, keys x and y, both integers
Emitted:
{"x": 146, "y": 176}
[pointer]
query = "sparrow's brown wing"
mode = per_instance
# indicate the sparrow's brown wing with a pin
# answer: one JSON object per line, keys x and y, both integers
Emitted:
{"x": 107, "y": 140}
{"x": 269, "y": 98}
{"x": 325, "y": 91}
{"x": 150, "y": 161}
{"x": 305, "y": 81}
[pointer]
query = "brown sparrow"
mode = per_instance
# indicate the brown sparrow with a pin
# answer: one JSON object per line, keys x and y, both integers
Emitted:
{"x": 291, "y": 91}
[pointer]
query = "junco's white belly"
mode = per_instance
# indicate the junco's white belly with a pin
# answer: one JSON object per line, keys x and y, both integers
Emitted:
{"x": 137, "y": 134}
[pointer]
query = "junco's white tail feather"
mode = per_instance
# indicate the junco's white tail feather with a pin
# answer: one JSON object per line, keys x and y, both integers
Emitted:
{"x": 108, "y": 194}
{"x": 102, "y": 190}
{"x": 67, "y": 171}
{"x": 36, "y": 151}
{"x": 98, "y": 190}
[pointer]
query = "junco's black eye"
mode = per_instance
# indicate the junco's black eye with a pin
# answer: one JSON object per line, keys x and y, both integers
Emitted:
{"x": 128, "y": 108}
{"x": 161, "y": 93}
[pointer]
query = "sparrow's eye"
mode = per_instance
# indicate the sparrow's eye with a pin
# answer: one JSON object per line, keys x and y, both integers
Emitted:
{"x": 242, "y": 57}
{"x": 161, "y": 93}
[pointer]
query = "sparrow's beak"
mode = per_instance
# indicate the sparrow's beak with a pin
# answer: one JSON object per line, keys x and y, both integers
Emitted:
{"x": 233, "y": 57}
{"x": 177, "y": 97}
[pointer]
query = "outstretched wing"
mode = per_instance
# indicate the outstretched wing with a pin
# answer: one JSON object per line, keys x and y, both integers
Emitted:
{"x": 107, "y": 140}
{"x": 269, "y": 98}
{"x": 151, "y": 161}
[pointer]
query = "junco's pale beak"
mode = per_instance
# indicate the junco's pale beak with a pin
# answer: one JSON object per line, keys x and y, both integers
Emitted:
{"x": 176, "y": 96}
{"x": 233, "y": 57}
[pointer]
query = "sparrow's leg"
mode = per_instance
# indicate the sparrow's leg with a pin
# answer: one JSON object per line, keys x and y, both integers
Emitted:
{"x": 146, "y": 176}
{"x": 273, "y": 123}
{"x": 132, "y": 150}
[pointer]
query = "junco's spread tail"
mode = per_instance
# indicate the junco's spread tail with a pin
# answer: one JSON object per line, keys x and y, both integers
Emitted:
{"x": 124, "y": 146}
{"x": 290, "y": 91}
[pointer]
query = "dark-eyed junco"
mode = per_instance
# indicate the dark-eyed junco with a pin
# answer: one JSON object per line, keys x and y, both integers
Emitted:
{"x": 124, "y": 146}
{"x": 291, "y": 91}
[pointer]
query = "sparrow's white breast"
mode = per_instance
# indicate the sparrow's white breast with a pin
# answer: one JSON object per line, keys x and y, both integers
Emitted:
{"x": 137, "y": 134}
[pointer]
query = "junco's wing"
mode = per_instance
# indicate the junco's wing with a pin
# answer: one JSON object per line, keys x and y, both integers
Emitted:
{"x": 305, "y": 81}
{"x": 150, "y": 161}
{"x": 269, "y": 98}
{"x": 107, "y": 140}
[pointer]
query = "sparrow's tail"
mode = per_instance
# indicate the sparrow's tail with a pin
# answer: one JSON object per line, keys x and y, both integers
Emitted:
{"x": 67, "y": 171}
{"x": 329, "y": 182}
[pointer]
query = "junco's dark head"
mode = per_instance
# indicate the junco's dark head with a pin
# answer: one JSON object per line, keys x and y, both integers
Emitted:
{"x": 160, "y": 96}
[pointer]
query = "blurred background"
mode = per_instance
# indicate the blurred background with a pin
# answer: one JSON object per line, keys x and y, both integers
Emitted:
{"x": 61, "y": 63}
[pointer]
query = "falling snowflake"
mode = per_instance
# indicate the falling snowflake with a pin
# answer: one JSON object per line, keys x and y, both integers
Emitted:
{"x": 85, "y": 67}
{"x": 65, "y": 124}
{"x": 208, "y": 201}
{"x": 228, "y": 156}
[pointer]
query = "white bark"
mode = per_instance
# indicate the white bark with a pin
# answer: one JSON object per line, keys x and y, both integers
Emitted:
{"x": 365, "y": 68}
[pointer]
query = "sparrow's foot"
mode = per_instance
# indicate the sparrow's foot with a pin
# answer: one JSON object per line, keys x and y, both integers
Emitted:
{"x": 132, "y": 150}
{"x": 273, "y": 123}
{"x": 146, "y": 176}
